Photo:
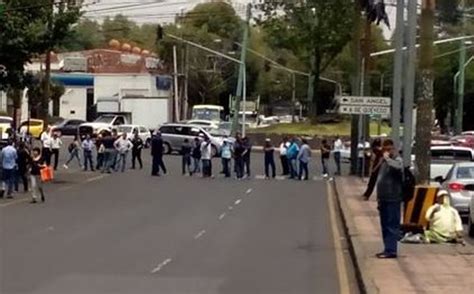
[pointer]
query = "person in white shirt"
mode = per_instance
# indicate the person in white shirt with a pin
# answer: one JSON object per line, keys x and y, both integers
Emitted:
{"x": 46, "y": 143}
{"x": 123, "y": 145}
{"x": 445, "y": 222}
{"x": 338, "y": 147}
{"x": 56, "y": 144}
{"x": 285, "y": 166}
{"x": 206, "y": 157}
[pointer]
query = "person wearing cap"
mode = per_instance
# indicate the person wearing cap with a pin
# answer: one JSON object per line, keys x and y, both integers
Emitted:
{"x": 269, "y": 160}
{"x": 445, "y": 224}
{"x": 226, "y": 156}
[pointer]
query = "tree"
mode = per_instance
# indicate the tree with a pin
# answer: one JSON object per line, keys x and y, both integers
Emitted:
{"x": 316, "y": 30}
{"x": 26, "y": 31}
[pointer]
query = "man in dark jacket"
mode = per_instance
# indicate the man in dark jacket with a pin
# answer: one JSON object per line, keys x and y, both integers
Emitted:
{"x": 390, "y": 195}
{"x": 137, "y": 144}
{"x": 157, "y": 155}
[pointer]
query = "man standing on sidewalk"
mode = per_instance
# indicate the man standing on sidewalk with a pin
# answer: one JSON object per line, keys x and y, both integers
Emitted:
{"x": 338, "y": 147}
{"x": 284, "y": 145}
{"x": 390, "y": 195}
{"x": 9, "y": 157}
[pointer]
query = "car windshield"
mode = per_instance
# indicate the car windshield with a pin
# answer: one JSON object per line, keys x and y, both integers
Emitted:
{"x": 465, "y": 172}
{"x": 104, "y": 119}
{"x": 217, "y": 132}
{"x": 5, "y": 121}
{"x": 206, "y": 114}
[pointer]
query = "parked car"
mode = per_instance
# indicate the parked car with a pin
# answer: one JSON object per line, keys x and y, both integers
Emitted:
{"x": 6, "y": 124}
{"x": 203, "y": 123}
{"x": 174, "y": 135}
{"x": 103, "y": 124}
{"x": 67, "y": 127}
{"x": 459, "y": 182}
{"x": 36, "y": 127}
{"x": 464, "y": 141}
{"x": 130, "y": 130}
{"x": 470, "y": 222}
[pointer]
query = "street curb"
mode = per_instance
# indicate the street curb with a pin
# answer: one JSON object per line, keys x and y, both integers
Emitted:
{"x": 357, "y": 253}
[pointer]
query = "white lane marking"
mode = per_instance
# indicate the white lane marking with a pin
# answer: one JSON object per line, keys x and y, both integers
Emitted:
{"x": 249, "y": 191}
{"x": 95, "y": 179}
{"x": 237, "y": 202}
{"x": 161, "y": 265}
{"x": 200, "y": 234}
{"x": 221, "y": 217}
{"x": 230, "y": 207}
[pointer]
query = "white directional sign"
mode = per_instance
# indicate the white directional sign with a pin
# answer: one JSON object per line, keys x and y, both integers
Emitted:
{"x": 365, "y": 101}
{"x": 370, "y": 110}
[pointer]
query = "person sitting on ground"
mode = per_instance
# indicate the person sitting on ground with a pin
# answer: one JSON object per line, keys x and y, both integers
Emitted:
{"x": 445, "y": 224}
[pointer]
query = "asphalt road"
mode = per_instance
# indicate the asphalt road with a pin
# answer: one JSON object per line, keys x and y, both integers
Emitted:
{"x": 131, "y": 233}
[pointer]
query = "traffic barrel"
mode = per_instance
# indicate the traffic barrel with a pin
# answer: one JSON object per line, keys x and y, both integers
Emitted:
{"x": 416, "y": 208}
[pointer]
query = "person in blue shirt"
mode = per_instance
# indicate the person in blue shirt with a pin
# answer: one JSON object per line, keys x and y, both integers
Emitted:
{"x": 226, "y": 155}
{"x": 292, "y": 155}
{"x": 9, "y": 163}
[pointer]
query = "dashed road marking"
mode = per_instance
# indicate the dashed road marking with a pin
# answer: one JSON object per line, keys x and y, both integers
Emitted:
{"x": 231, "y": 207}
{"x": 249, "y": 191}
{"x": 96, "y": 178}
{"x": 221, "y": 217}
{"x": 200, "y": 234}
{"x": 237, "y": 202}
{"x": 161, "y": 266}
{"x": 13, "y": 202}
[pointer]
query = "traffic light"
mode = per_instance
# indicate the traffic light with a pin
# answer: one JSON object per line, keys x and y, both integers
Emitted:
{"x": 375, "y": 10}
{"x": 159, "y": 33}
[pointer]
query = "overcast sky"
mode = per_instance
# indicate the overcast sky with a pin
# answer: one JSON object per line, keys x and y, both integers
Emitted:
{"x": 162, "y": 11}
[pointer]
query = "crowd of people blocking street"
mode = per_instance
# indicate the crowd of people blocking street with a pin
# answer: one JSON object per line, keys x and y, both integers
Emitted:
{"x": 21, "y": 163}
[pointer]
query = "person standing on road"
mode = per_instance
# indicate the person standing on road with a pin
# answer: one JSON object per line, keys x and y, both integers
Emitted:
{"x": 269, "y": 161}
{"x": 239, "y": 150}
{"x": 377, "y": 159}
{"x": 284, "y": 145}
{"x": 109, "y": 153}
{"x": 304, "y": 156}
{"x": 74, "y": 149}
{"x": 186, "y": 150}
{"x": 206, "y": 157}
{"x": 338, "y": 147}
{"x": 46, "y": 143}
{"x": 325, "y": 155}
{"x": 196, "y": 156}
{"x": 123, "y": 146}
{"x": 137, "y": 148}
{"x": 157, "y": 154}
{"x": 390, "y": 195}
{"x": 226, "y": 157}
{"x": 292, "y": 155}
{"x": 88, "y": 147}
{"x": 23, "y": 162}
{"x": 56, "y": 144}
{"x": 99, "y": 146}
{"x": 9, "y": 158}
{"x": 37, "y": 164}
{"x": 247, "y": 155}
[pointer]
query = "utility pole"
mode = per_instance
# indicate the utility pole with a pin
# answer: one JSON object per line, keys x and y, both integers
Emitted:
{"x": 293, "y": 96}
{"x": 176, "y": 94}
{"x": 425, "y": 101}
{"x": 47, "y": 75}
{"x": 186, "y": 81}
{"x": 410, "y": 78}
{"x": 462, "y": 61}
{"x": 398, "y": 73}
{"x": 243, "y": 57}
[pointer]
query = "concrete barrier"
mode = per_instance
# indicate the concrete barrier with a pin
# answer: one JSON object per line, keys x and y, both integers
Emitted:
{"x": 415, "y": 209}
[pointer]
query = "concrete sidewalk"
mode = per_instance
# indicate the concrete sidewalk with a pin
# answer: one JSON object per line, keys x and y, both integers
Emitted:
{"x": 419, "y": 269}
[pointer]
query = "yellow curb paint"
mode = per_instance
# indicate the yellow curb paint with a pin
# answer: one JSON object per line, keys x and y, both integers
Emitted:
{"x": 340, "y": 261}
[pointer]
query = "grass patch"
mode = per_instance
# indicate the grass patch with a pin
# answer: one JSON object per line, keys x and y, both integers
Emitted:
{"x": 343, "y": 129}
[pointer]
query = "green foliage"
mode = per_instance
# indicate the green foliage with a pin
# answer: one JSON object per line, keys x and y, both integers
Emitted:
{"x": 315, "y": 30}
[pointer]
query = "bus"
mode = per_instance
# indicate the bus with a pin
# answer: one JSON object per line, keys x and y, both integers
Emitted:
{"x": 208, "y": 113}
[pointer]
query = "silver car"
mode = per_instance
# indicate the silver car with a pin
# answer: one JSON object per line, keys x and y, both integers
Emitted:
{"x": 459, "y": 183}
{"x": 173, "y": 136}
{"x": 470, "y": 224}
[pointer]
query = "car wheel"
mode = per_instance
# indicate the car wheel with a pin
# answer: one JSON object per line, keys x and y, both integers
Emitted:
{"x": 470, "y": 226}
{"x": 214, "y": 152}
{"x": 148, "y": 143}
{"x": 167, "y": 148}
